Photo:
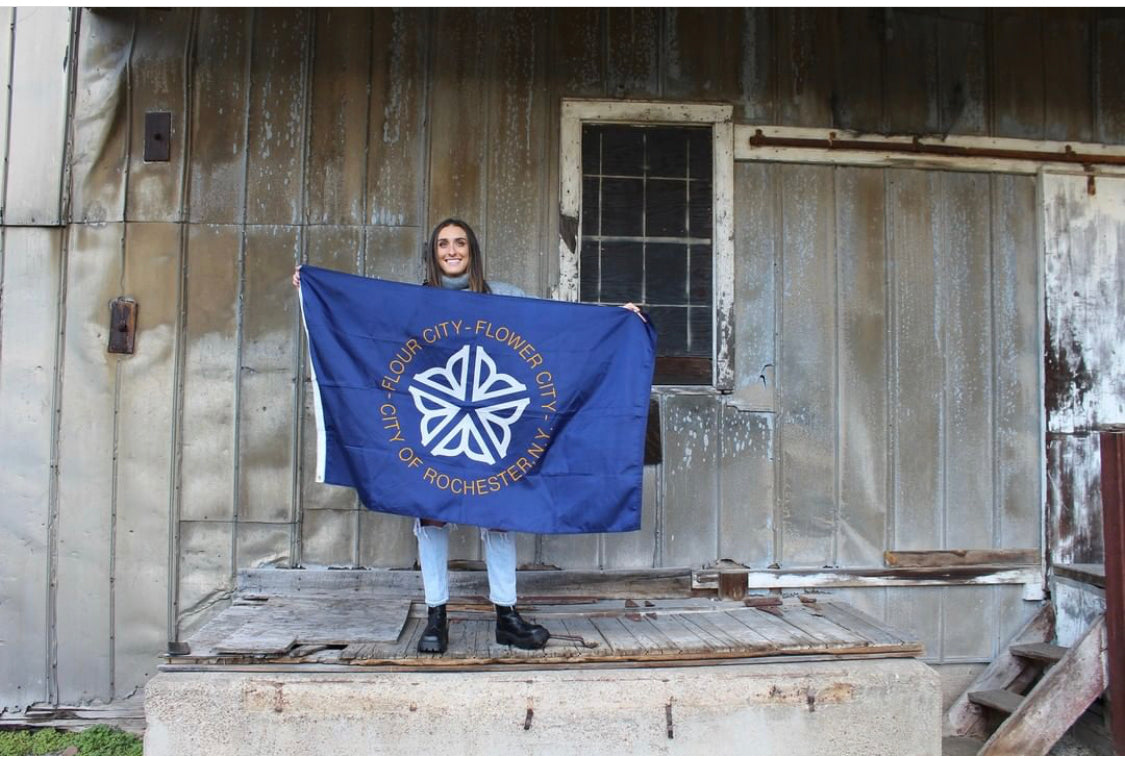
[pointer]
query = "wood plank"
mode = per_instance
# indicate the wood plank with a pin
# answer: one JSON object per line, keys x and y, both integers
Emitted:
{"x": 998, "y": 700}
{"x": 678, "y": 633}
{"x": 1047, "y": 652}
{"x": 588, "y": 631}
{"x": 817, "y": 626}
{"x": 1057, "y": 700}
{"x": 962, "y": 718}
{"x": 643, "y": 629}
{"x": 252, "y": 639}
{"x": 852, "y": 619}
{"x": 779, "y": 633}
{"x": 709, "y": 631}
{"x": 620, "y": 640}
{"x": 962, "y": 557}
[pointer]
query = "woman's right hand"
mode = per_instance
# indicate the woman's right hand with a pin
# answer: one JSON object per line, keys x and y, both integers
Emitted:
{"x": 297, "y": 277}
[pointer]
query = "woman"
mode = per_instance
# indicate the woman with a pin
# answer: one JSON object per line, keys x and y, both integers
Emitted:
{"x": 454, "y": 262}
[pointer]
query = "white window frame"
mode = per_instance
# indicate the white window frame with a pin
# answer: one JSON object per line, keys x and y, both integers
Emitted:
{"x": 575, "y": 113}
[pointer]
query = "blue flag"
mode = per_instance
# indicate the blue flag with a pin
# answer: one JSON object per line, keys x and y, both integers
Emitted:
{"x": 504, "y": 412}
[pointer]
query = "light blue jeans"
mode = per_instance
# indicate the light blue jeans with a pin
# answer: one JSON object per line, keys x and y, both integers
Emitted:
{"x": 499, "y": 555}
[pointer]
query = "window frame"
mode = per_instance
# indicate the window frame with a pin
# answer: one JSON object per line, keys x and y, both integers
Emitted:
{"x": 574, "y": 114}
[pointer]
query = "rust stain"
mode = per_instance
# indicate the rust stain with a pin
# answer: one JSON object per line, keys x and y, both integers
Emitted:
{"x": 1067, "y": 378}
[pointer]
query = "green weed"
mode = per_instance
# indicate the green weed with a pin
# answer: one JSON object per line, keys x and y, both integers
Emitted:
{"x": 93, "y": 741}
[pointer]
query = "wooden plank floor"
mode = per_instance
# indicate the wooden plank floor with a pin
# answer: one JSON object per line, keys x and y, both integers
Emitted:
{"x": 386, "y": 631}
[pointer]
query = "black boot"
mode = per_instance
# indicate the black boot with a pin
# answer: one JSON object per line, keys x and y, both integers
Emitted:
{"x": 436, "y": 635}
{"x": 511, "y": 629}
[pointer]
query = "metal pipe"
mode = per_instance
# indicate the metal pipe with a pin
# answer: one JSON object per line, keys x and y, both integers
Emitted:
{"x": 917, "y": 147}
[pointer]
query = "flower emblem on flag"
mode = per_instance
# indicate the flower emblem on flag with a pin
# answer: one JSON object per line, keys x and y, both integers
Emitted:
{"x": 468, "y": 406}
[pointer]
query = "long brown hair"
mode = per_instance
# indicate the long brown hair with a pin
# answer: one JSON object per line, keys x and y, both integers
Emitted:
{"x": 477, "y": 282}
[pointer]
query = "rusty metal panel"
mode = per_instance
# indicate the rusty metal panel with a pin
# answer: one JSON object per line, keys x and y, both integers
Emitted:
{"x": 857, "y": 68}
{"x": 633, "y": 52}
{"x": 916, "y": 383}
{"x": 458, "y": 145}
{"x": 206, "y": 577}
{"x": 7, "y": 17}
{"x": 395, "y": 253}
{"x": 637, "y": 550}
{"x": 338, "y": 137}
{"x": 1113, "y": 517}
{"x": 86, "y": 503}
{"x": 1085, "y": 284}
{"x": 210, "y": 358}
{"x": 963, "y": 70}
{"x": 759, "y": 75}
{"x": 576, "y": 51}
{"x": 918, "y": 611}
{"x": 144, "y": 455}
{"x": 263, "y": 545}
{"x": 966, "y": 304}
{"x": 38, "y": 120}
{"x": 700, "y": 46}
{"x": 689, "y": 517}
{"x": 270, "y": 314}
{"x": 328, "y": 537}
{"x": 1109, "y": 62}
{"x": 862, "y": 348}
{"x": 158, "y": 83}
{"x": 1074, "y": 500}
{"x": 1068, "y": 73}
{"x": 219, "y": 116}
{"x": 100, "y": 146}
{"x": 396, "y": 152}
{"x": 910, "y": 100}
{"x": 756, "y": 239}
{"x": 1017, "y": 74}
{"x": 1018, "y": 362}
{"x": 275, "y": 180}
{"x": 969, "y": 625}
{"x": 804, "y": 66}
{"x": 806, "y": 367}
{"x": 28, "y": 334}
{"x": 518, "y": 138}
{"x": 386, "y": 540}
{"x": 746, "y": 482}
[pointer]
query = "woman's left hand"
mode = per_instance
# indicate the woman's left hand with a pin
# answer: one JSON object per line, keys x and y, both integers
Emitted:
{"x": 636, "y": 310}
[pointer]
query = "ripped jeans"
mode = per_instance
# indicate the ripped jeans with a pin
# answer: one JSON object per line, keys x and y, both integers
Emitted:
{"x": 433, "y": 556}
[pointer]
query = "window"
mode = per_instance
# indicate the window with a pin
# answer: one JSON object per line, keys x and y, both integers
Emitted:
{"x": 646, "y": 236}
{"x": 645, "y": 216}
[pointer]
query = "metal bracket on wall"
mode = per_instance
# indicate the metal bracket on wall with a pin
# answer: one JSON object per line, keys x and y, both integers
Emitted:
{"x": 122, "y": 325}
{"x": 158, "y": 136}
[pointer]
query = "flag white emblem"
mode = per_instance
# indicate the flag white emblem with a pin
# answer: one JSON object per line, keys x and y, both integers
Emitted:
{"x": 453, "y": 419}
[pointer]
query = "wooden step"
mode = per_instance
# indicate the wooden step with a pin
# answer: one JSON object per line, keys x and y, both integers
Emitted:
{"x": 1047, "y": 652}
{"x": 1000, "y": 700}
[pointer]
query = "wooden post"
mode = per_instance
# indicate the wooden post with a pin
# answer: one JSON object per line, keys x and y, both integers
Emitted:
{"x": 1113, "y": 519}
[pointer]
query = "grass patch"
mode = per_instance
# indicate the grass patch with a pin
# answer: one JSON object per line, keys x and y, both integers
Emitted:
{"x": 93, "y": 741}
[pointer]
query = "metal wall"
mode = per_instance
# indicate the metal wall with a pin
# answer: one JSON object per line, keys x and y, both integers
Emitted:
{"x": 885, "y": 316}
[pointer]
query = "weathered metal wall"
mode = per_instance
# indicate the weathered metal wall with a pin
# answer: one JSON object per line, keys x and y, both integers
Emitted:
{"x": 132, "y": 488}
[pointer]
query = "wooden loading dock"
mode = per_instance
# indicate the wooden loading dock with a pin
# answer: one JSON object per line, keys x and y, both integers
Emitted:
{"x": 327, "y": 659}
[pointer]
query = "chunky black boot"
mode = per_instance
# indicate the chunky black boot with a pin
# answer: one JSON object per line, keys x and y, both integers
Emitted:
{"x": 511, "y": 629}
{"x": 436, "y": 635}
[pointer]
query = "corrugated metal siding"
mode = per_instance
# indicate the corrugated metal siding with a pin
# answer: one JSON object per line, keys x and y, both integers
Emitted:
{"x": 886, "y": 364}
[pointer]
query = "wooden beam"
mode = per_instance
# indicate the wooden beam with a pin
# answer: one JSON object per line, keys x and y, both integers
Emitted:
{"x": 877, "y": 577}
{"x": 965, "y": 719}
{"x": 1056, "y": 702}
{"x": 963, "y": 557}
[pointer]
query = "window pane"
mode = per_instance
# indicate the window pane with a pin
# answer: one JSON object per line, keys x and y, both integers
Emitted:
{"x": 622, "y": 210}
{"x": 590, "y": 203}
{"x": 699, "y": 150}
{"x": 622, "y": 268}
{"x": 700, "y": 326}
{"x": 591, "y": 149}
{"x": 700, "y": 275}
{"x": 665, "y": 274}
{"x": 667, "y": 151}
{"x": 588, "y": 267}
{"x": 665, "y": 208}
{"x": 623, "y": 151}
{"x": 671, "y": 329}
{"x": 699, "y": 216}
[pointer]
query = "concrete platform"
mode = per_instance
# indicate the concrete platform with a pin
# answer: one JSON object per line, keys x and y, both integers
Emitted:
{"x": 836, "y": 706}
